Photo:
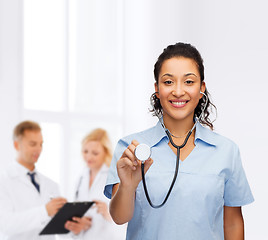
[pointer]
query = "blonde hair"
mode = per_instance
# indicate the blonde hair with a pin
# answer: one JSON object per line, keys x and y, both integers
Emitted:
{"x": 100, "y": 135}
{"x": 20, "y": 129}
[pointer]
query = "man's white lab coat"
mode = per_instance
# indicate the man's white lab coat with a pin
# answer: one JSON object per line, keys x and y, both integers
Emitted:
{"x": 22, "y": 208}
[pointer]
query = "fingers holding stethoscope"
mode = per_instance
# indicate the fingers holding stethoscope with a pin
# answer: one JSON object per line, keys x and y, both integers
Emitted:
{"x": 128, "y": 158}
{"x": 147, "y": 163}
{"x": 129, "y": 167}
{"x": 129, "y": 154}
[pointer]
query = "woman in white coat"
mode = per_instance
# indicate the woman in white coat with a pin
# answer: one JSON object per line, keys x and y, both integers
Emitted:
{"x": 97, "y": 223}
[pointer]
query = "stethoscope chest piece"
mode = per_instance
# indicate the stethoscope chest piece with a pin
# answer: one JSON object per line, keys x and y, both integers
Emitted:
{"x": 142, "y": 152}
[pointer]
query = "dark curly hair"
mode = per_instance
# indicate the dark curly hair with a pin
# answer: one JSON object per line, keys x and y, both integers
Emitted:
{"x": 188, "y": 51}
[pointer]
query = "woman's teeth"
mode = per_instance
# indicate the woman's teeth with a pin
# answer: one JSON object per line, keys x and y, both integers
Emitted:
{"x": 178, "y": 103}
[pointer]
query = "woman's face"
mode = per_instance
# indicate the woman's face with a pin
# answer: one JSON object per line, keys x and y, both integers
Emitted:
{"x": 178, "y": 88}
{"x": 93, "y": 154}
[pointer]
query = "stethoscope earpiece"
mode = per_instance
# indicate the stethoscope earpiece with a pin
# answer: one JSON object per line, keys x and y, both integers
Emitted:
{"x": 142, "y": 152}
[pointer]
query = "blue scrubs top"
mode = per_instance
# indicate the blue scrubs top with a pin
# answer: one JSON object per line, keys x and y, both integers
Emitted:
{"x": 211, "y": 177}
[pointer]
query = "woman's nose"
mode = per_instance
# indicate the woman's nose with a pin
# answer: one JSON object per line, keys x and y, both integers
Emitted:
{"x": 178, "y": 90}
{"x": 88, "y": 156}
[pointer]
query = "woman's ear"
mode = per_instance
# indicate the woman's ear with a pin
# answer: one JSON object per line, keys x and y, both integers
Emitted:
{"x": 202, "y": 89}
{"x": 156, "y": 90}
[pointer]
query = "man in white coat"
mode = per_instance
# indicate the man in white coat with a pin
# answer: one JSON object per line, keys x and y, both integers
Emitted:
{"x": 28, "y": 199}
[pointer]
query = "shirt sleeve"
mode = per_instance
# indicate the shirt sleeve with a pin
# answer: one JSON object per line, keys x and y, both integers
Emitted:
{"x": 237, "y": 191}
{"x": 112, "y": 177}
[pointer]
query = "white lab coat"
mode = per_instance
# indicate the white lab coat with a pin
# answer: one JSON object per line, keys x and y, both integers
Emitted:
{"x": 22, "y": 209}
{"x": 101, "y": 228}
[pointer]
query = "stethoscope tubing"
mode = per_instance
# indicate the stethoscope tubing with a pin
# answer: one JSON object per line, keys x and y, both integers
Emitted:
{"x": 175, "y": 174}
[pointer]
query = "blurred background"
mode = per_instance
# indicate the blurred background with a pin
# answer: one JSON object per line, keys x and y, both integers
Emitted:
{"x": 74, "y": 65}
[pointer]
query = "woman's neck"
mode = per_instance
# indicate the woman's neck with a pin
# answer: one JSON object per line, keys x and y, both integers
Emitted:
{"x": 94, "y": 171}
{"x": 178, "y": 127}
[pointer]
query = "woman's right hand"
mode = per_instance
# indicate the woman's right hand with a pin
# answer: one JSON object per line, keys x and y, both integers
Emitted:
{"x": 123, "y": 195}
{"x": 129, "y": 167}
{"x": 78, "y": 225}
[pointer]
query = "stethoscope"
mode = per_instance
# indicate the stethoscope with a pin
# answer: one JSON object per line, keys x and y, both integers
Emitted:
{"x": 143, "y": 152}
{"x": 77, "y": 188}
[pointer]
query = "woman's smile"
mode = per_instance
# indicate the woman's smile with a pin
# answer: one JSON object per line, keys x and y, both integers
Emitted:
{"x": 178, "y": 103}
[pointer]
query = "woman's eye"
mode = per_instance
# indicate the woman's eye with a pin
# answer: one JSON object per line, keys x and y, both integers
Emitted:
{"x": 168, "y": 82}
{"x": 189, "y": 82}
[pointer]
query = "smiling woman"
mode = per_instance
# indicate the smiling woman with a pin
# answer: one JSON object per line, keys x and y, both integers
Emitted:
{"x": 178, "y": 90}
{"x": 194, "y": 63}
{"x": 205, "y": 199}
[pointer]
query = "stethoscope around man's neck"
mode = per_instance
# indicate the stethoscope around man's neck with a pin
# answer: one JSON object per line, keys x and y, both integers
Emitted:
{"x": 143, "y": 152}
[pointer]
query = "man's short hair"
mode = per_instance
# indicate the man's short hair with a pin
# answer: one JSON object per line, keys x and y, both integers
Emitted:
{"x": 20, "y": 129}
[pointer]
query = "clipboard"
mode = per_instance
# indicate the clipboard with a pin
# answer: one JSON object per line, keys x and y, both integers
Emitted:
{"x": 67, "y": 212}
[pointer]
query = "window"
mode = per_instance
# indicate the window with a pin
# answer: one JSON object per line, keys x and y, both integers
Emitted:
{"x": 72, "y": 78}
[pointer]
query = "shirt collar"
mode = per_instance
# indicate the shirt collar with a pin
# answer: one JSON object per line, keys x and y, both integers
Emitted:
{"x": 159, "y": 134}
{"x": 21, "y": 170}
{"x": 104, "y": 168}
{"x": 202, "y": 133}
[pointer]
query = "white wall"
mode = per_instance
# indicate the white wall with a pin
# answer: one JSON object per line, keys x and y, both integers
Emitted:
{"x": 231, "y": 36}
{"x": 10, "y": 74}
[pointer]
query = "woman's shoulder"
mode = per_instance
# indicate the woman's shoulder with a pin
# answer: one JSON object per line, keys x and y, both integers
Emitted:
{"x": 217, "y": 139}
{"x": 144, "y": 136}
